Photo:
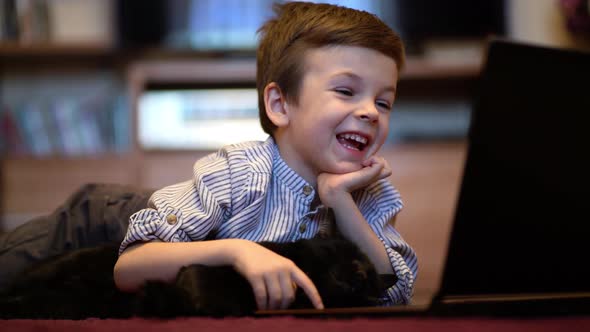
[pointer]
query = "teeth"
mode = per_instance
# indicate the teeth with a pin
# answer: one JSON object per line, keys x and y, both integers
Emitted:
{"x": 355, "y": 137}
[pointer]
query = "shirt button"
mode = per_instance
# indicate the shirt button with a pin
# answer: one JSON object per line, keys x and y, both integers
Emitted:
{"x": 302, "y": 228}
{"x": 307, "y": 190}
{"x": 171, "y": 219}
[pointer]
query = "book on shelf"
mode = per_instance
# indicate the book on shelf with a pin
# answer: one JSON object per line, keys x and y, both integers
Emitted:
{"x": 62, "y": 127}
{"x": 64, "y": 113}
{"x": 33, "y": 128}
{"x": 11, "y": 140}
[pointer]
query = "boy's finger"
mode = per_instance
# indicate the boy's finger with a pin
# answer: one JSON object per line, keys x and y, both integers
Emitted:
{"x": 288, "y": 289}
{"x": 303, "y": 281}
{"x": 260, "y": 294}
{"x": 385, "y": 172}
{"x": 378, "y": 163}
{"x": 275, "y": 293}
{"x": 368, "y": 162}
{"x": 373, "y": 171}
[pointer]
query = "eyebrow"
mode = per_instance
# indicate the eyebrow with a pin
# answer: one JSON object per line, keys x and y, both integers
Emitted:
{"x": 356, "y": 77}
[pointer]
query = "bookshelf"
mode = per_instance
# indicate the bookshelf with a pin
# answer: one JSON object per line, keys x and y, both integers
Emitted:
{"x": 33, "y": 183}
{"x": 62, "y": 100}
{"x": 181, "y": 43}
{"x": 186, "y": 66}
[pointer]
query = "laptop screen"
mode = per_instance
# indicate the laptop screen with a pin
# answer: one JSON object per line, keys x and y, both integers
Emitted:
{"x": 522, "y": 223}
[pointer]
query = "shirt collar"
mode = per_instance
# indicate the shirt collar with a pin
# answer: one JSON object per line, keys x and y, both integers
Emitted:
{"x": 286, "y": 175}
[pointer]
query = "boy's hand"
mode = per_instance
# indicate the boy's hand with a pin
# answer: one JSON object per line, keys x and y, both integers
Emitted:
{"x": 274, "y": 278}
{"x": 332, "y": 186}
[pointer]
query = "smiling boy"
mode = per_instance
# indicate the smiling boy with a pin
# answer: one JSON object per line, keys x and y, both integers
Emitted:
{"x": 326, "y": 80}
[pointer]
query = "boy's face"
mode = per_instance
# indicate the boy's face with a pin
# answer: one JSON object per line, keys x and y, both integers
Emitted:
{"x": 343, "y": 110}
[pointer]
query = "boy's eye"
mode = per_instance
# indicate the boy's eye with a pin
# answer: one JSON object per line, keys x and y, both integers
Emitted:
{"x": 384, "y": 105}
{"x": 344, "y": 91}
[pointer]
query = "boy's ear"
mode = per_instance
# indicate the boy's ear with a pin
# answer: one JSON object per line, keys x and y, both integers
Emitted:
{"x": 276, "y": 105}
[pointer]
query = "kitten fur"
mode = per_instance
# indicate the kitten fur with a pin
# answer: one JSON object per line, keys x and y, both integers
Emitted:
{"x": 79, "y": 284}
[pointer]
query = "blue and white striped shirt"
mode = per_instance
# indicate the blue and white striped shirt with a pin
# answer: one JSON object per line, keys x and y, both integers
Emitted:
{"x": 247, "y": 191}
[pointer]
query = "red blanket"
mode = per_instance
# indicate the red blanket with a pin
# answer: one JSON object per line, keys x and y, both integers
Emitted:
{"x": 293, "y": 324}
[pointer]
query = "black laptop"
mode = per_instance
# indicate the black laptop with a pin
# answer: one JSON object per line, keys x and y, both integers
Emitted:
{"x": 520, "y": 242}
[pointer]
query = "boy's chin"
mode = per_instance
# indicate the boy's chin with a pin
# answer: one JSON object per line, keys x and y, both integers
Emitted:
{"x": 346, "y": 167}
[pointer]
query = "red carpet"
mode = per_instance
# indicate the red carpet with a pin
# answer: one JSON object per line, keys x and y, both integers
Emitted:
{"x": 292, "y": 324}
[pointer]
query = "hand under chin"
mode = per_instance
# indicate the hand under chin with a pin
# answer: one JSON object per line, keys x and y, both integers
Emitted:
{"x": 347, "y": 167}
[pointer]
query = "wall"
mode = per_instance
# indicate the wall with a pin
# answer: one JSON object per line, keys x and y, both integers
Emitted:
{"x": 541, "y": 22}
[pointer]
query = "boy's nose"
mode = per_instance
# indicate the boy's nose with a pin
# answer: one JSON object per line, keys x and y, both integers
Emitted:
{"x": 368, "y": 113}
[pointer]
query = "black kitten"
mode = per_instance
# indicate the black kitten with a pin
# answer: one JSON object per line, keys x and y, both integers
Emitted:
{"x": 80, "y": 284}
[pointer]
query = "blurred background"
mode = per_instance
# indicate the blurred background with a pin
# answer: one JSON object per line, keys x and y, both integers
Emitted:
{"x": 134, "y": 92}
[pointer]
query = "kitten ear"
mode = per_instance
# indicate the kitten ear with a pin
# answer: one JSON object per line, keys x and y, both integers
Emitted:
{"x": 275, "y": 105}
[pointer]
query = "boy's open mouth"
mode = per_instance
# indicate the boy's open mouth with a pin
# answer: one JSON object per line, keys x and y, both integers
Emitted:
{"x": 353, "y": 141}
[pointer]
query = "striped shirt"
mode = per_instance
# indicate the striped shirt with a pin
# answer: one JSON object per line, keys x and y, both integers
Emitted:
{"x": 247, "y": 191}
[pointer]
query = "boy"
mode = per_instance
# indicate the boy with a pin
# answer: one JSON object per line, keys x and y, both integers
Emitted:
{"x": 326, "y": 79}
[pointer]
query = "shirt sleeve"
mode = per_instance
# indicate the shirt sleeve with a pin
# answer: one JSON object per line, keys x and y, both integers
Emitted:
{"x": 404, "y": 263}
{"x": 380, "y": 203}
{"x": 186, "y": 211}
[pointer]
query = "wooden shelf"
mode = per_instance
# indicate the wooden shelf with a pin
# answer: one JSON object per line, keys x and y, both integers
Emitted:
{"x": 195, "y": 71}
{"x": 423, "y": 68}
{"x": 244, "y": 70}
{"x": 183, "y": 65}
{"x": 19, "y": 57}
{"x": 13, "y": 49}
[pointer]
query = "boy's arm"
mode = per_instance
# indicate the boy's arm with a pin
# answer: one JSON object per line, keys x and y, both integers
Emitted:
{"x": 162, "y": 260}
{"x": 353, "y": 226}
{"x": 272, "y": 282}
{"x": 377, "y": 238}
{"x": 335, "y": 192}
